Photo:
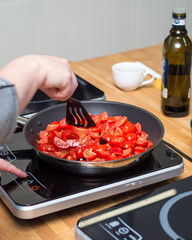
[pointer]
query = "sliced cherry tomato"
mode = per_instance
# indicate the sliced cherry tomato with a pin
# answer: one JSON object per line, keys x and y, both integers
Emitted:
{"x": 104, "y": 116}
{"x": 43, "y": 134}
{"x": 127, "y": 153}
{"x": 60, "y": 143}
{"x": 89, "y": 155}
{"x": 102, "y": 153}
{"x": 116, "y": 150}
{"x": 142, "y": 142}
{"x": 118, "y": 132}
{"x": 139, "y": 150}
{"x": 55, "y": 126}
{"x": 106, "y": 137}
{"x": 79, "y": 152}
{"x": 111, "y": 120}
{"x": 105, "y": 127}
{"x": 128, "y": 144}
{"x": 72, "y": 154}
{"x": 120, "y": 122}
{"x": 69, "y": 134}
{"x": 129, "y": 127}
{"x": 150, "y": 144}
{"x": 97, "y": 119}
{"x": 59, "y": 154}
{"x": 73, "y": 142}
{"x": 48, "y": 147}
{"x": 95, "y": 135}
{"x": 43, "y": 140}
{"x": 58, "y": 133}
{"x": 63, "y": 124}
{"x": 131, "y": 137}
{"x": 117, "y": 141}
{"x": 138, "y": 127}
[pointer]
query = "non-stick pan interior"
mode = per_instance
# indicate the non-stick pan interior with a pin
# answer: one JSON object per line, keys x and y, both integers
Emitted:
{"x": 150, "y": 123}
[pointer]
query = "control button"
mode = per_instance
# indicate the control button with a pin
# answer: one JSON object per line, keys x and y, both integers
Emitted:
{"x": 171, "y": 153}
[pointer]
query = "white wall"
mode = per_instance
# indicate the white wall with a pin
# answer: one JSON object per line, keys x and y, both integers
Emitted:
{"x": 80, "y": 29}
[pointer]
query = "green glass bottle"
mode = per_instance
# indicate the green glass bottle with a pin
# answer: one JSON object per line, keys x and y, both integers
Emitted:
{"x": 176, "y": 67}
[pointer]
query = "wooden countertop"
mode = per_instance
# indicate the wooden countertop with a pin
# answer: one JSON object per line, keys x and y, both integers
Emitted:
{"x": 97, "y": 71}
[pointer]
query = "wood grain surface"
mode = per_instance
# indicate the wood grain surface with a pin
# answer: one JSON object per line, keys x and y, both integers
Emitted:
{"x": 98, "y": 71}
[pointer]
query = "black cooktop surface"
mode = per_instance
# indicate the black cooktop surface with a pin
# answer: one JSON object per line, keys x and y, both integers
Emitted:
{"x": 164, "y": 214}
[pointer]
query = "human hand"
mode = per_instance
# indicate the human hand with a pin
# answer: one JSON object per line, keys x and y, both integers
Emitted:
{"x": 51, "y": 74}
{"x": 8, "y": 167}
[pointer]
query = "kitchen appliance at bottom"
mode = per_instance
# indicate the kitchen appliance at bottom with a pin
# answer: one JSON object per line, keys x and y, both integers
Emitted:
{"x": 47, "y": 190}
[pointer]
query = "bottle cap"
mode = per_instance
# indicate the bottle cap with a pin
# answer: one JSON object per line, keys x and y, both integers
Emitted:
{"x": 179, "y": 13}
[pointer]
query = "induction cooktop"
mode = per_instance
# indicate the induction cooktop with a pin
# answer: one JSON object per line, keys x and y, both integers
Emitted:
{"x": 47, "y": 190}
{"x": 163, "y": 214}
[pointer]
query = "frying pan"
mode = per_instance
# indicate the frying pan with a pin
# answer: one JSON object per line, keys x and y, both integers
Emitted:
{"x": 150, "y": 124}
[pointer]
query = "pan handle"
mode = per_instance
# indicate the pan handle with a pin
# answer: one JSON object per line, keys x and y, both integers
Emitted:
{"x": 21, "y": 121}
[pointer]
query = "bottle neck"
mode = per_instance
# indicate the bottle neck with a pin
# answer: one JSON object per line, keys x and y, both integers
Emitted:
{"x": 178, "y": 22}
{"x": 178, "y": 26}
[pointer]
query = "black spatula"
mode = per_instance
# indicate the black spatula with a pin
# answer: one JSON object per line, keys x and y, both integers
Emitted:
{"x": 77, "y": 115}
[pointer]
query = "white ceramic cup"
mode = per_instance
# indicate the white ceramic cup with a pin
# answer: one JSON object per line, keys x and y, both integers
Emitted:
{"x": 130, "y": 75}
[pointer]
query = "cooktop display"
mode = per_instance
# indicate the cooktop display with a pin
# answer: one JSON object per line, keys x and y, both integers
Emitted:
{"x": 48, "y": 190}
{"x": 165, "y": 213}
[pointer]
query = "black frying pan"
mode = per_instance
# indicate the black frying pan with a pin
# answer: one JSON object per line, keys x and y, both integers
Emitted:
{"x": 150, "y": 124}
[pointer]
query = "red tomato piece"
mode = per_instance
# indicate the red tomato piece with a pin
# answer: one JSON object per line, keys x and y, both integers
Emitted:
{"x": 127, "y": 153}
{"x": 60, "y": 143}
{"x": 128, "y": 144}
{"x": 63, "y": 123}
{"x": 104, "y": 116}
{"x": 138, "y": 127}
{"x": 105, "y": 127}
{"x": 106, "y": 137}
{"x": 116, "y": 150}
{"x": 73, "y": 142}
{"x": 69, "y": 134}
{"x": 48, "y": 147}
{"x": 53, "y": 127}
{"x": 43, "y": 140}
{"x": 59, "y": 154}
{"x": 89, "y": 155}
{"x": 102, "y": 154}
{"x": 131, "y": 137}
{"x": 129, "y": 127}
{"x": 118, "y": 132}
{"x": 79, "y": 152}
{"x": 117, "y": 141}
{"x": 95, "y": 135}
{"x": 150, "y": 144}
{"x": 43, "y": 134}
{"x": 120, "y": 122}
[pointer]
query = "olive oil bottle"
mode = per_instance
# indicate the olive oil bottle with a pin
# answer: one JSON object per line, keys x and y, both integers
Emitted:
{"x": 176, "y": 67}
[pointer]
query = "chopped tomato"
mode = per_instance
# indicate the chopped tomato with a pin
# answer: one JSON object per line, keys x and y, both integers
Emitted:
{"x": 55, "y": 126}
{"x": 43, "y": 134}
{"x": 129, "y": 127}
{"x": 60, "y": 143}
{"x": 48, "y": 147}
{"x": 104, "y": 116}
{"x": 127, "y": 153}
{"x": 69, "y": 134}
{"x": 117, "y": 141}
{"x": 63, "y": 124}
{"x": 120, "y": 122}
{"x": 114, "y": 137}
{"x": 116, "y": 150}
{"x": 131, "y": 137}
{"x": 89, "y": 155}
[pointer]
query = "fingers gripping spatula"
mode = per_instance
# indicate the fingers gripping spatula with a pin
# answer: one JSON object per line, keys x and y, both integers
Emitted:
{"x": 77, "y": 115}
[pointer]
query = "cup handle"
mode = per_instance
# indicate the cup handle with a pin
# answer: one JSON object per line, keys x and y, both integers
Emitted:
{"x": 149, "y": 80}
